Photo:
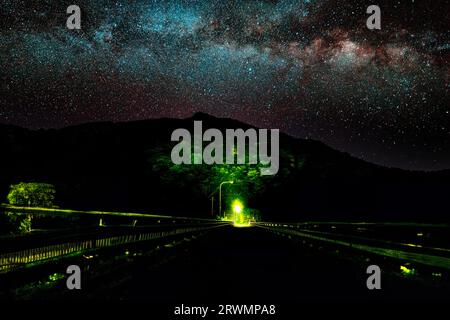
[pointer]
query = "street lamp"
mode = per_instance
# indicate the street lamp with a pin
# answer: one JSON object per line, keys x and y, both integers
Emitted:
{"x": 220, "y": 195}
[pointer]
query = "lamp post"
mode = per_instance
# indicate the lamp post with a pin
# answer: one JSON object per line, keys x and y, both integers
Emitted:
{"x": 220, "y": 195}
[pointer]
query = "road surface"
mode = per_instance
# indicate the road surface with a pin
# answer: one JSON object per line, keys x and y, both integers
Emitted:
{"x": 231, "y": 265}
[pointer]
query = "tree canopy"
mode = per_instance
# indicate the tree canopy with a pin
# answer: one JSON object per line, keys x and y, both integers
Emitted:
{"x": 32, "y": 194}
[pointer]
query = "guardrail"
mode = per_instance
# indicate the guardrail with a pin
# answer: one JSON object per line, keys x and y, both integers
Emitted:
{"x": 56, "y": 225}
{"x": 14, "y": 260}
{"x": 383, "y": 248}
{"x": 53, "y": 211}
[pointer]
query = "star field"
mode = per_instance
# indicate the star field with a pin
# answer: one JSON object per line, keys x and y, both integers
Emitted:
{"x": 308, "y": 67}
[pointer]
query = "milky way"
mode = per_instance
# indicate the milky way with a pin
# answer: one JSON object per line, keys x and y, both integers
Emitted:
{"x": 308, "y": 67}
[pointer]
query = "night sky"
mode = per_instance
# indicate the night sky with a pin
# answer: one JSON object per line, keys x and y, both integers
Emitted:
{"x": 308, "y": 67}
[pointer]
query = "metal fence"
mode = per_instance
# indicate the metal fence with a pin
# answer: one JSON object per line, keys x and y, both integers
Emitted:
{"x": 13, "y": 260}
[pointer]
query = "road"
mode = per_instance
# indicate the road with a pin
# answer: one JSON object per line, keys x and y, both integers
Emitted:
{"x": 231, "y": 265}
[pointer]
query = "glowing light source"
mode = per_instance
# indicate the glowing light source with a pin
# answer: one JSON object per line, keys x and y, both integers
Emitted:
{"x": 240, "y": 220}
{"x": 237, "y": 208}
{"x": 407, "y": 271}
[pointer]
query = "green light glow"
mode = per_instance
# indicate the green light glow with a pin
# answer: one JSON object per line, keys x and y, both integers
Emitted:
{"x": 241, "y": 220}
{"x": 407, "y": 271}
{"x": 55, "y": 277}
{"x": 242, "y": 225}
{"x": 237, "y": 208}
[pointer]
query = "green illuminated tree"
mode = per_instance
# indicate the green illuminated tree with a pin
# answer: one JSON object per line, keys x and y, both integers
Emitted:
{"x": 200, "y": 181}
{"x": 32, "y": 194}
{"x": 28, "y": 195}
{"x": 204, "y": 179}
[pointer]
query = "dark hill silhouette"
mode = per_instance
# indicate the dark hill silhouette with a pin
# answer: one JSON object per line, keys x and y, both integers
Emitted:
{"x": 105, "y": 166}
